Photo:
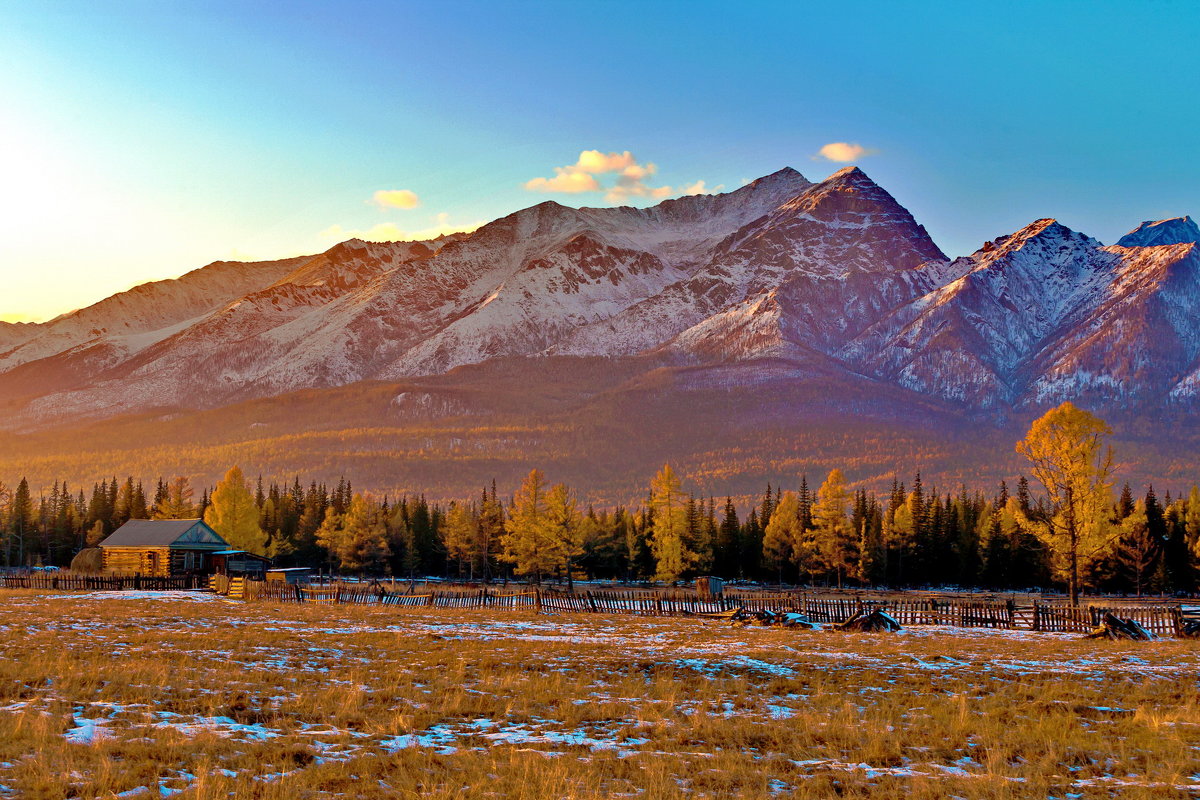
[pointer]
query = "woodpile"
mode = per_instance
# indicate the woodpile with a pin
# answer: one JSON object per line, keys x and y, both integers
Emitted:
{"x": 1191, "y": 629}
{"x": 1114, "y": 627}
{"x": 779, "y": 619}
{"x": 876, "y": 621}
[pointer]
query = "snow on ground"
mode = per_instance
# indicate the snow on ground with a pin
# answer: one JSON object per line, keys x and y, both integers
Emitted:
{"x": 197, "y": 597}
{"x": 297, "y": 651}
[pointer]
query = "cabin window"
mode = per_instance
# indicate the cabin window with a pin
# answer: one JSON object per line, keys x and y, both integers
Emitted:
{"x": 152, "y": 563}
{"x": 189, "y": 561}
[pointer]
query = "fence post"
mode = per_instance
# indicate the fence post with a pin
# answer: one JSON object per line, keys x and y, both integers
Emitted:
{"x": 1177, "y": 619}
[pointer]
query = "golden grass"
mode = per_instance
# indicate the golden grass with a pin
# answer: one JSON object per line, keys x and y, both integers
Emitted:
{"x": 256, "y": 700}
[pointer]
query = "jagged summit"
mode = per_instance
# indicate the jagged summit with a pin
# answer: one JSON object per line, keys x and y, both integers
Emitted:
{"x": 787, "y": 176}
{"x": 850, "y": 174}
{"x": 1049, "y": 236}
{"x": 1177, "y": 230}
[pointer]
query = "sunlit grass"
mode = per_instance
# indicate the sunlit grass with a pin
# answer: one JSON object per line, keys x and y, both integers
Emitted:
{"x": 223, "y": 699}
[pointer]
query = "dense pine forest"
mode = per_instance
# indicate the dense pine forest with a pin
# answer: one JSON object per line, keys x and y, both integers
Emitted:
{"x": 915, "y": 535}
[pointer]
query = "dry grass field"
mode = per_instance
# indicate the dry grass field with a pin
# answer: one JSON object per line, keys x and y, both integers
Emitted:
{"x": 144, "y": 695}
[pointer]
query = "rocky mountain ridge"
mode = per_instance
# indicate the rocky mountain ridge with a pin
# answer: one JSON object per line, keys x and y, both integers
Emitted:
{"x": 833, "y": 278}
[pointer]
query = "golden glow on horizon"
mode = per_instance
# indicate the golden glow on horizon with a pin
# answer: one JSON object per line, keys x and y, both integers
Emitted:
{"x": 390, "y": 232}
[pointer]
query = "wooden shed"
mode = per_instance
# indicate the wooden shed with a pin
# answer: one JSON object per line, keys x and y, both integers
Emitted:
{"x": 162, "y": 547}
{"x": 291, "y": 575}
{"x": 239, "y": 562}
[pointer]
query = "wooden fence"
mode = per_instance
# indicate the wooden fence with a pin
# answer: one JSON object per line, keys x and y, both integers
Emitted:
{"x": 1159, "y": 620}
{"x": 1005, "y": 614}
{"x": 365, "y": 594}
{"x": 74, "y": 582}
{"x": 1162, "y": 620}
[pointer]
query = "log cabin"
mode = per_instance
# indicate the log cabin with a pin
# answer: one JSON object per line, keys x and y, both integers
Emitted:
{"x": 162, "y": 547}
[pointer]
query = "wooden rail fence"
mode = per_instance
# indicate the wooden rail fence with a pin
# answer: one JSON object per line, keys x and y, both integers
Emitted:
{"x": 1006, "y": 614}
{"x": 1162, "y": 620}
{"x": 71, "y": 582}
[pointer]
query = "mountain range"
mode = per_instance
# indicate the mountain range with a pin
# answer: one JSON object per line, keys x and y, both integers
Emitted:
{"x": 784, "y": 300}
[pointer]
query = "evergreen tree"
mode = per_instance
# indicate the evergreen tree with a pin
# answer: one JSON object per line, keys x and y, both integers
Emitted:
{"x": 1137, "y": 549}
{"x": 359, "y": 543}
{"x": 752, "y": 545}
{"x": 490, "y": 531}
{"x": 138, "y": 508}
{"x": 872, "y": 553}
{"x": 22, "y": 525}
{"x": 1125, "y": 504}
{"x": 1177, "y": 558}
{"x": 726, "y": 562}
{"x": 178, "y": 503}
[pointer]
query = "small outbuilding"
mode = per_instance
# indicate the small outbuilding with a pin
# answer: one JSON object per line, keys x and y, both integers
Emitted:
{"x": 240, "y": 562}
{"x": 301, "y": 576}
{"x": 162, "y": 547}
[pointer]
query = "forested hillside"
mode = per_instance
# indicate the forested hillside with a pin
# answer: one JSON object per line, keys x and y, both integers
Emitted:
{"x": 824, "y": 531}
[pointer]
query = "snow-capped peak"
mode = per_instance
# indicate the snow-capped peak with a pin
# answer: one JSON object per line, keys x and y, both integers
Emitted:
{"x": 1177, "y": 230}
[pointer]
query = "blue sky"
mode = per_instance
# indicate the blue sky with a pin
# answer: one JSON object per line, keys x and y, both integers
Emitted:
{"x": 143, "y": 139}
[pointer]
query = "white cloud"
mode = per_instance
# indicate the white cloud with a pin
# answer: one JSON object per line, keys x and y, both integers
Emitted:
{"x": 844, "y": 152}
{"x": 566, "y": 182}
{"x": 390, "y": 232}
{"x": 396, "y": 198}
{"x": 580, "y": 177}
{"x": 699, "y": 188}
{"x": 595, "y": 162}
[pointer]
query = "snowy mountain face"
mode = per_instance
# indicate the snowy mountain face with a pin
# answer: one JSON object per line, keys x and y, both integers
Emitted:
{"x": 1179, "y": 230}
{"x": 834, "y": 277}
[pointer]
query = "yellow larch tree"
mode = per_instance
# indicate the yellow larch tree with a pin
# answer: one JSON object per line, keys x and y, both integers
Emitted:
{"x": 233, "y": 513}
{"x": 834, "y": 538}
{"x": 668, "y": 508}
{"x": 527, "y": 541}
{"x": 1066, "y": 449}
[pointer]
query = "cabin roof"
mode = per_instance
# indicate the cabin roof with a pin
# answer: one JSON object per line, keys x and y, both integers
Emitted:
{"x": 182, "y": 533}
{"x": 245, "y": 553}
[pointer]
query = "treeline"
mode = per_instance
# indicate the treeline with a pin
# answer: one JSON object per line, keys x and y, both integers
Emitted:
{"x": 912, "y": 535}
